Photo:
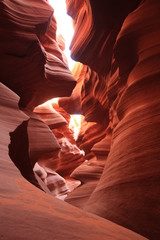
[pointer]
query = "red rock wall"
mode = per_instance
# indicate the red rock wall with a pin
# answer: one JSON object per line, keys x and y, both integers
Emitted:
{"x": 97, "y": 26}
{"x": 25, "y": 211}
{"x": 129, "y": 57}
{"x": 118, "y": 93}
{"x": 34, "y": 74}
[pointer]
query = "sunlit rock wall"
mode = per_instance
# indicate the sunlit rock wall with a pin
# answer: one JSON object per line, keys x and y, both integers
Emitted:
{"x": 117, "y": 91}
{"x": 35, "y": 74}
{"x": 120, "y": 40}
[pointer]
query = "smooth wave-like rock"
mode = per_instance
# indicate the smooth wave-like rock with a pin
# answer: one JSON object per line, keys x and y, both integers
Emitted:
{"x": 72, "y": 104}
{"x": 96, "y": 28}
{"x": 89, "y": 172}
{"x": 122, "y": 45}
{"x": 89, "y": 98}
{"x": 43, "y": 145}
{"x": 70, "y": 157}
{"x": 94, "y": 100}
{"x": 117, "y": 91}
{"x": 26, "y": 211}
{"x": 54, "y": 182}
{"x": 50, "y": 116}
{"x": 34, "y": 73}
{"x": 128, "y": 191}
{"x": 90, "y": 133}
{"x": 102, "y": 147}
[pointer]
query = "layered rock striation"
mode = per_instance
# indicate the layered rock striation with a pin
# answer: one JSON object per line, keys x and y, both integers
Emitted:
{"x": 123, "y": 45}
{"x": 117, "y": 91}
{"x": 26, "y": 211}
{"x": 32, "y": 63}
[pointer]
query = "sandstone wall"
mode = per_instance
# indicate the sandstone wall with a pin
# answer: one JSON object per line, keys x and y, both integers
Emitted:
{"x": 117, "y": 91}
{"x": 125, "y": 49}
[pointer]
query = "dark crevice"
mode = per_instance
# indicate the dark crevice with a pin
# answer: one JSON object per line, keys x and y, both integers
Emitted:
{"x": 19, "y": 153}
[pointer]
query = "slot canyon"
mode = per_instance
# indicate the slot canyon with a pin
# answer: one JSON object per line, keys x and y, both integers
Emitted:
{"x": 102, "y": 182}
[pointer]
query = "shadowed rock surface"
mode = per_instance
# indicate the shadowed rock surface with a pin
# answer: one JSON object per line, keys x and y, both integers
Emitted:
{"x": 117, "y": 91}
{"x": 128, "y": 190}
{"x": 34, "y": 74}
{"x": 27, "y": 211}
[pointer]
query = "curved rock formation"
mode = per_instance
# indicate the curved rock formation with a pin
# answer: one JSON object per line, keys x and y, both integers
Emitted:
{"x": 72, "y": 104}
{"x": 88, "y": 173}
{"x": 54, "y": 182}
{"x": 128, "y": 191}
{"x": 117, "y": 91}
{"x": 34, "y": 74}
{"x": 127, "y": 55}
{"x": 70, "y": 157}
{"x": 96, "y": 29}
{"x": 27, "y": 211}
{"x": 90, "y": 133}
{"x": 50, "y": 116}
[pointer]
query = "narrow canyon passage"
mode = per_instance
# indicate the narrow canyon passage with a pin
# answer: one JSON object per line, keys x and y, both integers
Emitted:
{"x": 80, "y": 135}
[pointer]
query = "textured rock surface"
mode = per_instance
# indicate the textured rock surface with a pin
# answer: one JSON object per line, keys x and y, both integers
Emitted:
{"x": 118, "y": 93}
{"x": 72, "y": 104}
{"x": 88, "y": 173}
{"x": 26, "y": 211}
{"x": 128, "y": 58}
{"x": 42, "y": 142}
{"x": 55, "y": 184}
{"x": 34, "y": 74}
{"x": 90, "y": 133}
{"x": 69, "y": 158}
{"x": 97, "y": 26}
{"x": 50, "y": 116}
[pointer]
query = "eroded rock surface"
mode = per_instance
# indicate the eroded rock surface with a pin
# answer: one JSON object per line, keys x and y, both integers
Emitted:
{"x": 117, "y": 91}
{"x": 27, "y": 211}
{"x": 34, "y": 73}
{"x": 128, "y": 190}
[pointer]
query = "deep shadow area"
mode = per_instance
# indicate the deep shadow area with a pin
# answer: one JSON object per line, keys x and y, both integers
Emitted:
{"x": 19, "y": 153}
